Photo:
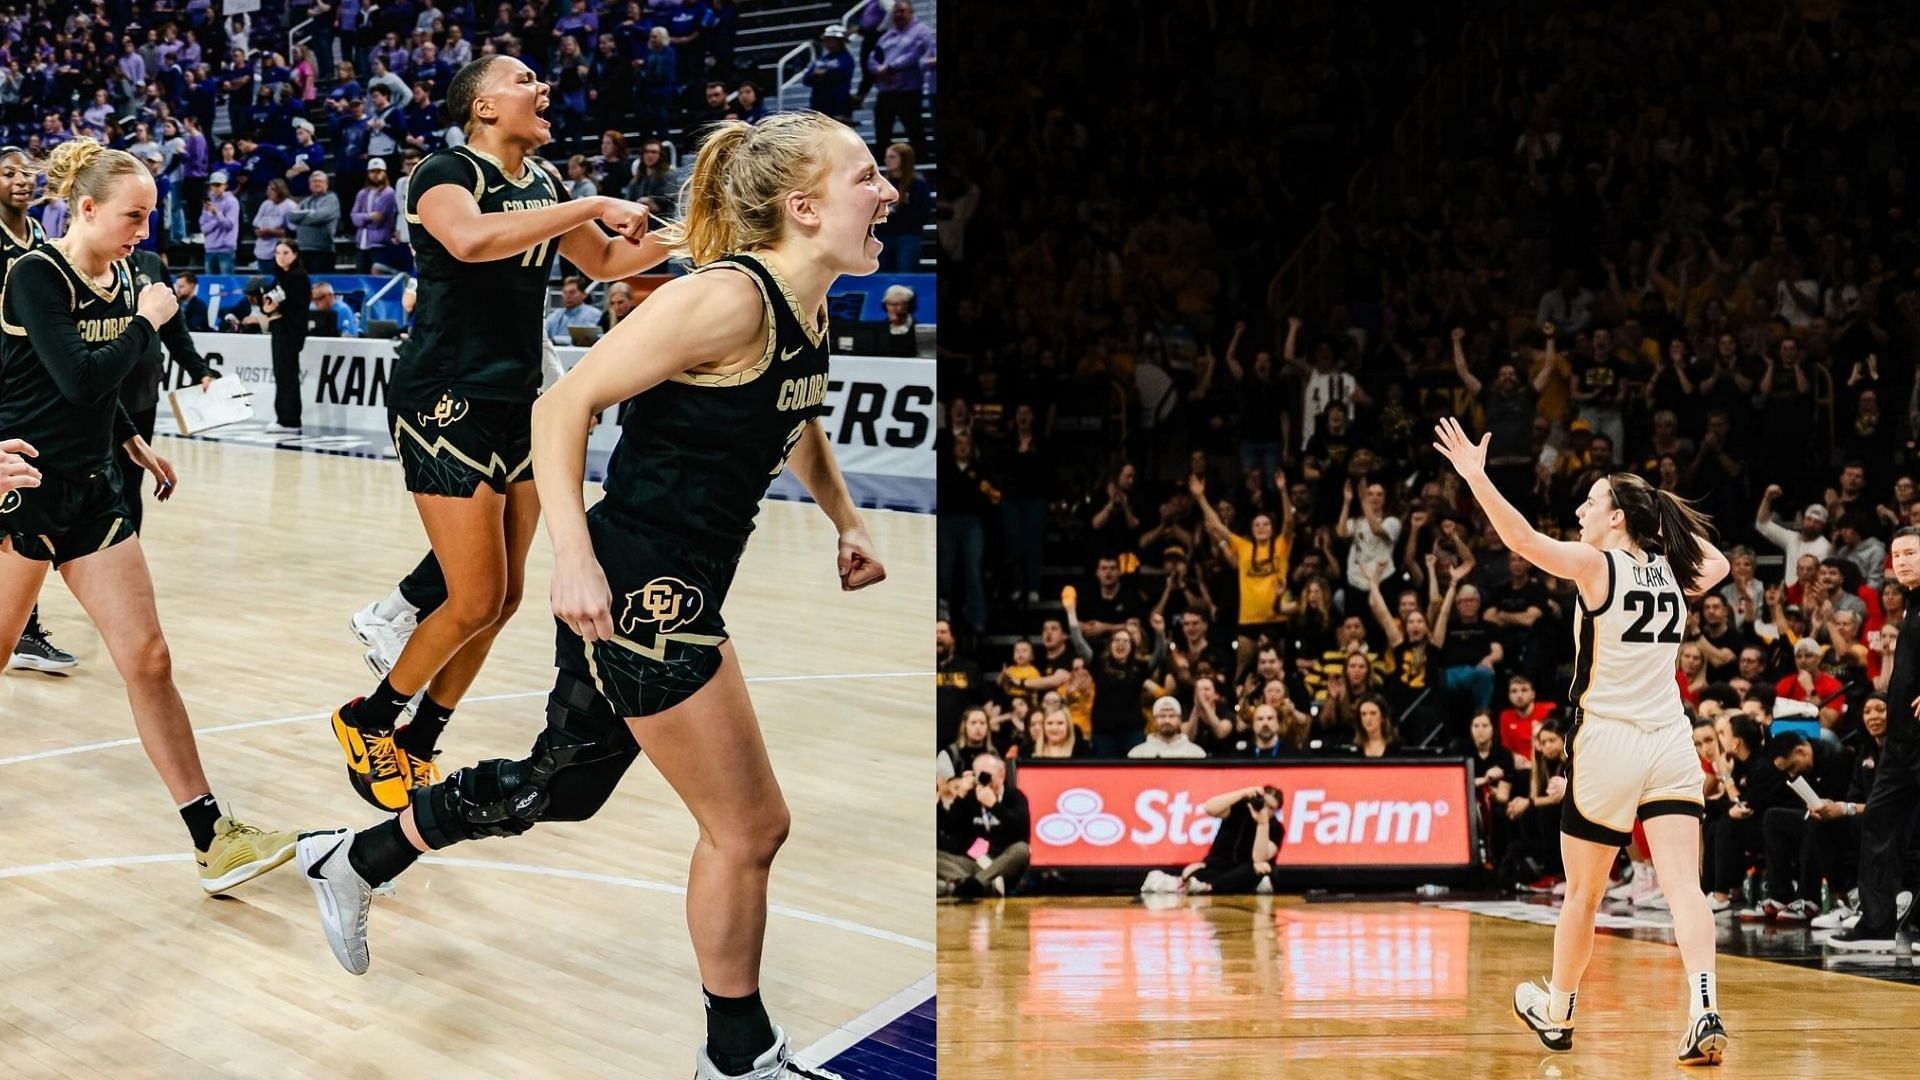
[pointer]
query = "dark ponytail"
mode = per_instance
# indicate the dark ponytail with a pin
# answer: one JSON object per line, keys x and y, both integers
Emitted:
{"x": 1660, "y": 521}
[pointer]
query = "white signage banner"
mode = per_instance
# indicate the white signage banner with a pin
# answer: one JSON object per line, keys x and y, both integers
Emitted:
{"x": 880, "y": 409}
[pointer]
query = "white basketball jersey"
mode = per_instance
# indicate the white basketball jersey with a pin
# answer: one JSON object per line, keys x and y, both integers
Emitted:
{"x": 1625, "y": 650}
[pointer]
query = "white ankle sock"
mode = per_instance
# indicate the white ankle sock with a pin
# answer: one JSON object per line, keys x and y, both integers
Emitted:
{"x": 1703, "y": 994}
{"x": 1560, "y": 1004}
{"x": 394, "y": 606}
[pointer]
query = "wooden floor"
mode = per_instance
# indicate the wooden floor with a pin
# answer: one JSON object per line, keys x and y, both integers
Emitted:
{"x": 560, "y": 954}
{"x": 1224, "y": 988}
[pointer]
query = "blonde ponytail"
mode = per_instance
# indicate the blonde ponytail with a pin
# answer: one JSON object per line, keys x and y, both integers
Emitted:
{"x": 741, "y": 177}
{"x": 82, "y": 166}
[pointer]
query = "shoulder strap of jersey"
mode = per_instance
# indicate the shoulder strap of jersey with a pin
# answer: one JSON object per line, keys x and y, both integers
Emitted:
{"x": 1613, "y": 584}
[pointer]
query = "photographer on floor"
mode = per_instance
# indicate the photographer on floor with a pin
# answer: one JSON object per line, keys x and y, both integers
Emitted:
{"x": 1244, "y": 847}
{"x": 983, "y": 832}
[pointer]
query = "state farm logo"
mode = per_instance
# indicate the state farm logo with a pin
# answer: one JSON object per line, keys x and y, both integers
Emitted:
{"x": 1177, "y": 817}
{"x": 1079, "y": 814}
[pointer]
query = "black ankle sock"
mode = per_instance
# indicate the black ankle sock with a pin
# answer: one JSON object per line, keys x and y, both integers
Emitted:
{"x": 200, "y": 814}
{"x": 377, "y": 711}
{"x": 32, "y": 629}
{"x": 422, "y": 733}
{"x": 379, "y": 854}
{"x": 738, "y": 1031}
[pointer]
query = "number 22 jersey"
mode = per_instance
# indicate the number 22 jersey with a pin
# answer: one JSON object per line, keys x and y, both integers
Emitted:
{"x": 1625, "y": 649}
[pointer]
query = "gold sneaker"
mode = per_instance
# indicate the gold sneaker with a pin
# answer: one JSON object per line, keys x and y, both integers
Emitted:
{"x": 378, "y": 769}
{"x": 239, "y": 853}
{"x": 424, "y": 773}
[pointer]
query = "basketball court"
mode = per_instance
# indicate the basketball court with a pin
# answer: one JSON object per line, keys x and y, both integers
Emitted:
{"x": 560, "y": 954}
{"x": 1259, "y": 986}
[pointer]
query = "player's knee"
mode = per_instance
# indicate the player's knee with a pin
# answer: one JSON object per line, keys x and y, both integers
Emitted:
{"x": 757, "y": 837}
{"x": 149, "y": 662}
{"x": 509, "y": 603}
{"x": 475, "y": 609}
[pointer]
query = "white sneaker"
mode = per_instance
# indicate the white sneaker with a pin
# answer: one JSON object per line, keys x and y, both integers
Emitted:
{"x": 383, "y": 638}
{"x": 776, "y": 1064}
{"x": 1625, "y": 889}
{"x": 342, "y": 895}
{"x": 1159, "y": 881}
{"x": 1901, "y": 903}
{"x": 1835, "y": 919}
{"x": 281, "y": 429}
{"x": 1654, "y": 901}
{"x": 1718, "y": 906}
{"x": 1530, "y": 1004}
{"x": 1559, "y": 888}
{"x": 1265, "y": 888}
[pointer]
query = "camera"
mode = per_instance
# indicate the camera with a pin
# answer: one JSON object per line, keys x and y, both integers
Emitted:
{"x": 984, "y": 779}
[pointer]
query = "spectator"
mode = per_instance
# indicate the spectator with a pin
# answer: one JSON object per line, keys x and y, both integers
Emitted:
{"x": 979, "y": 813}
{"x": 1164, "y": 737}
{"x": 220, "y": 224}
{"x": 1261, "y": 560}
{"x": 829, "y": 78}
{"x": 899, "y": 62}
{"x": 580, "y": 183}
{"x": 315, "y": 221}
{"x": 901, "y": 231}
{"x": 1533, "y": 856}
{"x": 1810, "y": 540}
{"x": 957, "y": 677}
{"x": 1810, "y": 684}
{"x": 1762, "y": 767}
{"x": 973, "y": 737}
{"x": 329, "y": 317}
{"x": 574, "y": 311}
{"x": 658, "y": 82}
{"x": 1374, "y": 733}
{"x": 1520, "y": 720}
{"x": 1056, "y": 737}
{"x": 1119, "y": 679}
{"x": 285, "y": 307}
{"x": 619, "y": 304}
{"x": 653, "y": 180}
{"x": 375, "y": 216}
{"x": 747, "y": 103}
{"x": 400, "y": 252}
{"x": 193, "y": 310}
{"x": 272, "y": 223}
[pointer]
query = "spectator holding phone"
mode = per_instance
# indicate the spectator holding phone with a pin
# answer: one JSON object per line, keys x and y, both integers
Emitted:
{"x": 1241, "y": 859}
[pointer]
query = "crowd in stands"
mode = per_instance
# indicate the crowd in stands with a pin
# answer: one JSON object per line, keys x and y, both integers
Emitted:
{"x": 301, "y": 122}
{"x": 1181, "y": 516}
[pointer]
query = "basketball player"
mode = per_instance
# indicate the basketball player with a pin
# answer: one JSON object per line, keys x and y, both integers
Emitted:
{"x": 1641, "y": 554}
{"x": 19, "y": 234}
{"x": 71, "y": 328}
{"x": 486, "y": 224}
{"x": 384, "y": 625}
{"x": 727, "y": 372}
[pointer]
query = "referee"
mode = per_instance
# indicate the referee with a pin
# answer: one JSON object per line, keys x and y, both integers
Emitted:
{"x": 1884, "y": 825}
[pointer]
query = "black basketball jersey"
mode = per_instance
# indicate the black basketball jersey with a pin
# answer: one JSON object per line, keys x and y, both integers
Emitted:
{"x": 476, "y": 326}
{"x": 12, "y": 247}
{"x": 697, "y": 453}
{"x": 68, "y": 345}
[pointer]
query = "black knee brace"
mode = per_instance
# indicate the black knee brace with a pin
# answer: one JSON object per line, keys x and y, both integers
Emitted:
{"x": 573, "y": 768}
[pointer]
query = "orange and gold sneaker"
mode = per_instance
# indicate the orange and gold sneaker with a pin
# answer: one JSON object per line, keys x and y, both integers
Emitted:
{"x": 381, "y": 772}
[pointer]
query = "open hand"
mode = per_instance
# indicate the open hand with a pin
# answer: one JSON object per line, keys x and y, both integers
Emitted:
{"x": 1468, "y": 457}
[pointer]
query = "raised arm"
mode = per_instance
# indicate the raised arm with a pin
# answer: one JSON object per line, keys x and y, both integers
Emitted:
{"x": 1580, "y": 563}
{"x": 1460, "y": 362}
{"x": 1215, "y": 527}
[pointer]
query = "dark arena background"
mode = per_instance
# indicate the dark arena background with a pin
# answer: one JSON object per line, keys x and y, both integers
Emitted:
{"x": 1213, "y": 272}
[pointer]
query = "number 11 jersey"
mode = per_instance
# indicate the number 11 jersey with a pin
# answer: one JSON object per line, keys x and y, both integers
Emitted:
{"x": 1625, "y": 649}
{"x": 476, "y": 325}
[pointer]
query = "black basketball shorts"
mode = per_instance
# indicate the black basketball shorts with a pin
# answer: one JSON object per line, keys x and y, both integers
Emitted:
{"x": 66, "y": 518}
{"x": 461, "y": 443}
{"x": 666, "y": 618}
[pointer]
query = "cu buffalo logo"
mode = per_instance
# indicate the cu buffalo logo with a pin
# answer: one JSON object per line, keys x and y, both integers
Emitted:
{"x": 665, "y": 604}
{"x": 1080, "y": 814}
{"x": 448, "y": 410}
{"x": 9, "y": 502}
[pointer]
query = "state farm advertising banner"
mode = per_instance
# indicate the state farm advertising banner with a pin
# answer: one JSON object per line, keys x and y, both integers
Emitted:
{"x": 1372, "y": 814}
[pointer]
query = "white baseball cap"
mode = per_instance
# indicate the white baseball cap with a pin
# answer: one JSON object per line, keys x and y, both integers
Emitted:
{"x": 219, "y": 177}
{"x": 377, "y": 163}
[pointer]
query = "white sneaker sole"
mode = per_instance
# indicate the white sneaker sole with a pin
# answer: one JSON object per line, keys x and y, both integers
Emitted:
{"x": 314, "y": 849}
{"x": 26, "y": 662}
{"x": 1711, "y": 1048}
{"x": 246, "y": 872}
{"x": 1877, "y": 945}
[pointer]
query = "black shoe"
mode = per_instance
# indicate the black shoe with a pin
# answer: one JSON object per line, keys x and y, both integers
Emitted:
{"x": 35, "y": 652}
{"x": 1862, "y": 939}
{"x": 1704, "y": 1042}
